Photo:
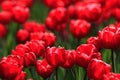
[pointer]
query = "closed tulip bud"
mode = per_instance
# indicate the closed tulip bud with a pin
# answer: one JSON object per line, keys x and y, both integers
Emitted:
{"x": 20, "y": 14}
{"x": 85, "y": 53}
{"x": 19, "y": 36}
{"x": 43, "y": 68}
{"x": 55, "y": 56}
{"x": 70, "y": 58}
{"x": 79, "y": 28}
{"x": 97, "y": 69}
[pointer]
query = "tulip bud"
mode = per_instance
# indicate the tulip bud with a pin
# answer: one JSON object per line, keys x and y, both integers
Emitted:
{"x": 3, "y": 31}
{"x": 10, "y": 67}
{"x": 70, "y": 58}
{"x": 97, "y": 69}
{"x": 20, "y": 14}
{"x": 85, "y": 53}
{"x": 43, "y": 68}
{"x": 36, "y": 46}
{"x": 55, "y": 56}
{"x": 79, "y": 28}
{"x": 95, "y": 41}
{"x": 20, "y": 38}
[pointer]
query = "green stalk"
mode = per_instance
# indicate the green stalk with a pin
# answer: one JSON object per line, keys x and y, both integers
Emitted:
{"x": 56, "y": 71}
{"x": 113, "y": 61}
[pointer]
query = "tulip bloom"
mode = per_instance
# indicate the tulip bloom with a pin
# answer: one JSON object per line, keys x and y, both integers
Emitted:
{"x": 70, "y": 58}
{"x": 97, "y": 69}
{"x": 111, "y": 76}
{"x": 3, "y": 30}
{"x": 79, "y": 28}
{"x": 20, "y": 14}
{"x": 19, "y": 36}
{"x": 95, "y": 41}
{"x": 110, "y": 37}
{"x": 27, "y": 55}
{"x": 36, "y": 46}
{"x": 55, "y": 56}
{"x": 85, "y": 53}
{"x": 43, "y": 68}
{"x": 10, "y": 67}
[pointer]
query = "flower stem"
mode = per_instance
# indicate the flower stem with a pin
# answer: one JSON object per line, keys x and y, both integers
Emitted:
{"x": 73, "y": 73}
{"x": 56, "y": 73}
{"x": 113, "y": 60}
{"x": 85, "y": 76}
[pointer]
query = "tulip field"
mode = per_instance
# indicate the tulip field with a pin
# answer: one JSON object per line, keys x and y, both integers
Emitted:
{"x": 60, "y": 40}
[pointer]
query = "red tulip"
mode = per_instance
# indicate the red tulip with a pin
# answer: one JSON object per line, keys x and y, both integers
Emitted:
{"x": 43, "y": 68}
{"x": 115, "y": 13}
{"x": 28, "y": 56}
{"x": 20, "y": 14}
{"x": 49, "y": 39}
{"x": 5, "y": 17}
{"x": 27, "y": 3}
{"x": 57, "y": 22}
{"x": 55, "y": 56}
{"x": 85, "y": 53}
{"x": 29, "y": 59}
{"x": 95, "y": 41}
{"x": 19, "y": 36}
{"x": 7, "y": 5}
{"x": 29, "y": 25}
{"x": 79, "y": 28}
{"x": 36, "y": 46}
{"x": 36, "y": 36}
{"x": 70, "y": 58}
{"x": 111, "y": 76}
{"x": 3, "y": 31}
{"x": 50, "y": 23}
{"x": 21, "y": 76}
{"x": 97, "y": 69}
{"x": 33, "y": 26}
{"x": 88, "y": 11}
{"x": 109, "y": 37}
{"x": 10, "y": 67}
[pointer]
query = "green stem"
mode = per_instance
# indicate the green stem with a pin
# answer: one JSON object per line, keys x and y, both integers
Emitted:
{"x": 85, "y": 76}
{"x": 73, "y": 73}
{"x": 56, "y": 71}
{"x": 45, "y": 79}
{"x": 32, "y": 73}
{"x": 113, "y": 60}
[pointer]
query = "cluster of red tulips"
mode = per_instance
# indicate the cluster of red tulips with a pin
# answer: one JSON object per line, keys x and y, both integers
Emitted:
{"x": 39, "y": 46}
